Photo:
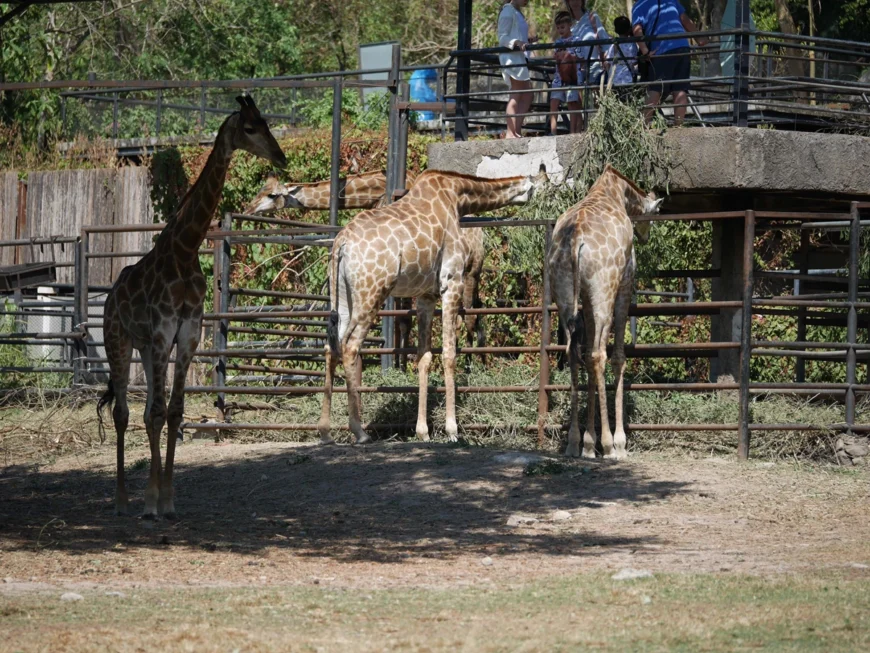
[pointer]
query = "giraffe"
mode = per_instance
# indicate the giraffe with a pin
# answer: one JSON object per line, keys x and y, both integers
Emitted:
{"x": 412, "y": 248}
{"x": 365, "y": 191}
{"x": 369, "y": 191}
{"x": 158, "y": 303}
{"x": 592, "y": 258}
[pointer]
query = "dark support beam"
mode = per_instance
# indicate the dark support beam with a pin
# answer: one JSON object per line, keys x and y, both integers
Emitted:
{"x": 740, "y": 90}
{"x": 463, "y": 71}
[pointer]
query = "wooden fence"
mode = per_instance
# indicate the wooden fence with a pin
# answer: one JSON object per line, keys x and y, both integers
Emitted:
{"x": 58, "y": 203}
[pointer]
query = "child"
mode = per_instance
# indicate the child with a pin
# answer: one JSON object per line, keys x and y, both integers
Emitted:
{"x": 565, "y": 56}
{"x": 621, "y": 59}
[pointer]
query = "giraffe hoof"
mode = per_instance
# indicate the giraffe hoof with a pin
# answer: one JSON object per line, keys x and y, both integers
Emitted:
{"x": 589, "y": 453}
{"x": 149, "y": 516}
{"x": 171, "y": 516}
{"x": 365, "y": 438}
{"x": 572, "y": 450}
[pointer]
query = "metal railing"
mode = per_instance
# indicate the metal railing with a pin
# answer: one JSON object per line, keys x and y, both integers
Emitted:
{"x": 788, "y": 81}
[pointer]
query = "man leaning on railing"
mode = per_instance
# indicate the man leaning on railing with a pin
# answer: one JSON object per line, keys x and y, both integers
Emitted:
{"x": 667, "y": 61}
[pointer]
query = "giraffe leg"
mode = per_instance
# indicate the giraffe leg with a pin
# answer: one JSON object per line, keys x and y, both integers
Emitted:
{"x": 187, "y": 340}
{"x": 589, "y": 435}
{"x": 573, "y": 449}
{"x": 623, "y": 300}
{"x": 473, "y": 325}
{"x": 599, "y": 359}
{"x": 425, "y": 311}
{"x": 353, "y": 373}
{"x": 155, "y": 360}
{"x": 119, "y": 354}
{"x": 323, "y": 424}
{"x": 450, "y": 300}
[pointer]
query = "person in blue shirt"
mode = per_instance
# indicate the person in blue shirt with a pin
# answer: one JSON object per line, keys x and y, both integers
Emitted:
{"x": 669, "y": 59}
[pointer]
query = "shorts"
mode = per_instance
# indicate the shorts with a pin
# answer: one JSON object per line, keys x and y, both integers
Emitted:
{"x": 674, "y": 64}
{"x": 571, "y": 95}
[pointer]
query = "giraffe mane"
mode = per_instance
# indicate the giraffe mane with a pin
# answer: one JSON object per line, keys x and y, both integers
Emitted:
{"x": 632, "y": 185}
{"x": 186, "y": 196}
{"x": 460, "y": 175}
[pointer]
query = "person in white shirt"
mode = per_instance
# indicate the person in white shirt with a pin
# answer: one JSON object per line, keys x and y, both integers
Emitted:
{"x": 621, "y": 58}
{"x": 513, "y": 33}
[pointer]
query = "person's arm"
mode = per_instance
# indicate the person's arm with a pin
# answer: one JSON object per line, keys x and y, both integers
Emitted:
{"x": 689, "y": 25}
{"x": 637, "y": 30}
{"x": 505, "y": 29}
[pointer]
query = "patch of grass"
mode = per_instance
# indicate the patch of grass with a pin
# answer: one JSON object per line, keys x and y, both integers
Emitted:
{"x": 682, "y": 612}
{"x": 138, "y": 465}
{"x": 544, "y": 468}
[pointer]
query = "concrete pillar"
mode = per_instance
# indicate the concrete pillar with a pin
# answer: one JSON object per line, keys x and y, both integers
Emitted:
{"x": 725, "y": 327}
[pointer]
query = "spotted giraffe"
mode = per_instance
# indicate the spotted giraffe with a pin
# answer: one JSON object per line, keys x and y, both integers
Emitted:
{"x": 365, "y": 191}
{"x": 592, "y": 259}
{"x": 368, "y": 191}
{"x": 158, "y": 303}
{"x": 412, "y": 248}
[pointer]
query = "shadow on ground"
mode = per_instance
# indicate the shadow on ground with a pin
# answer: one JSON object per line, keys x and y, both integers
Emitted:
{"x": 382, "y": 502}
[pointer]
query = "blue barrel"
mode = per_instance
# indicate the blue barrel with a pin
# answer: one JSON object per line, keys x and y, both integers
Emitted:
{"x": 423, "y": 84}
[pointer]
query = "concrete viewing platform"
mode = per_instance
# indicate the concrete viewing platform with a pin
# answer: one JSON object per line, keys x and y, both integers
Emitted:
{"x": 707, "y": 160}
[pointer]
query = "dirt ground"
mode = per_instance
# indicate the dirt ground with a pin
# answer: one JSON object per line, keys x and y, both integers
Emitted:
{"x": 414, "y": 516}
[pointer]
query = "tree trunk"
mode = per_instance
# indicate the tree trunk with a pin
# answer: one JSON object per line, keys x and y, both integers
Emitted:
{"x": 787, "y": 25}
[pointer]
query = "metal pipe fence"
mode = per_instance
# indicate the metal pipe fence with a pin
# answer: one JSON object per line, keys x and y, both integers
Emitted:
{"x": 292, "y": 366}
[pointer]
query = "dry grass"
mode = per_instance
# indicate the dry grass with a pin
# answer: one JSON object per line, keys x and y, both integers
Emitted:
{"x": 580, "y": 611}
{"x": 46, "y": 425}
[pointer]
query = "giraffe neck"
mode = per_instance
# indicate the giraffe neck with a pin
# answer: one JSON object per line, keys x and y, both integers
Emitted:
{"x": 356, "y": 192}
{"x": 621, "y": 190}
{"x": 476, "y": 195}
{"x": 187, "y": 229}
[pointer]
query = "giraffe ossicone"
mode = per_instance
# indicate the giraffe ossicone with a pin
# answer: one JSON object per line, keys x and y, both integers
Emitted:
{"x": 591, "y": 259}
{"x": 412, "y": 248}
{"x": 157, "y": 303}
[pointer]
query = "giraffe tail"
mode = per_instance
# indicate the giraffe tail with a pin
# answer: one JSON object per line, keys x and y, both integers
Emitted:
{"x": 107, "y": 399}
{"x": 333, "y": 319}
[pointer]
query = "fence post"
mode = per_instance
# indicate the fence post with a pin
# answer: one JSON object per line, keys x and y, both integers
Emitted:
{"x": 159, "y": 112}
{"x": 803, "y": 257}
{"x": 222, "y": 333}
{"x": 63, "y": 116}
{"x": 395, "y": 179}
{"x": 114, "y": 115}
{"x": 80, "y": 344}
{"x": 852, "y": 319}
{"x": 746, "y": 334}
{"x": 463, "y": 72}
{"x": 334, "y": 181}
{"x": 740, "y": 89}
{"x": 544, "y": 378}
{"x": 202, "y": 108}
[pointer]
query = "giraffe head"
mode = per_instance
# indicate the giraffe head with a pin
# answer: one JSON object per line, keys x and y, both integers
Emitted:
{"x": 270, "y": 197}
{"x": 252, "y": 134}
{"x": 650, "y": 206}
{"x": 531, "y": 185}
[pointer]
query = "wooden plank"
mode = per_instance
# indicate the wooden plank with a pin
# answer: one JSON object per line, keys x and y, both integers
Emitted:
{"x": 132, "y": 206}
{"x": 8, "y": 214}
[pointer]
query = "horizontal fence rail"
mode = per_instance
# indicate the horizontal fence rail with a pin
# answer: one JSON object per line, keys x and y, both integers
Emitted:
{"x": 292, "y": 366}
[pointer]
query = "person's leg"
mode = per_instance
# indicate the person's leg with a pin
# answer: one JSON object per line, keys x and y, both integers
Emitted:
{"x": 653, "y": 99}
{"x": 554, "y": 115}
{"x": 681, "y": 100}
{"x": 515, "y": 105}
{"x": 576, "y": 118}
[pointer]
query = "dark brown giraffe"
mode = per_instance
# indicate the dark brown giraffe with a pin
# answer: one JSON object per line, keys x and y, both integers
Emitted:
{"x": 157, "y": 304}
